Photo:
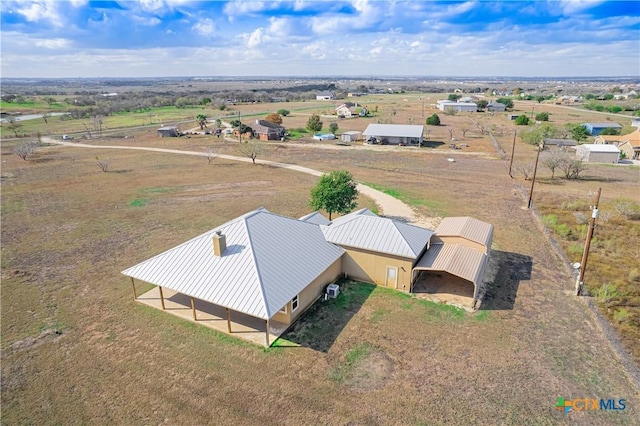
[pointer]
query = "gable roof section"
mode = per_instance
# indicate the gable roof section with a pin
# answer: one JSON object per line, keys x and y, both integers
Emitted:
{"x": 364, "y": 229}
{"x": 268, "y": 260}
{"x": 633, "y": 138}
{"x": 461, "y": 261}
{"x": 316, "y": 218}
{"x": 397, "y": 130}
{"x": 592, "y": 147}
{"x": 466, "y": 227}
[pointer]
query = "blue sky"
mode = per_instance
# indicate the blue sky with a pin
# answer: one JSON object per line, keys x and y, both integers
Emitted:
{"x": 154, "y": 38}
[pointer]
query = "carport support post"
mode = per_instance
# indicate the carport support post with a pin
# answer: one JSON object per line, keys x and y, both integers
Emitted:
{"x": 228, "y": 320}
{"x": 267, "y": 332}
{"x": 133, "y": 285}
{"x": 193, "y": 309}
{"x": 161, "y": 298}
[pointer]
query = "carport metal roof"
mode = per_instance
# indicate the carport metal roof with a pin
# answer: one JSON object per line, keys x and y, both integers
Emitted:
{"x": 456, "y": 259}
{"x": 467, "y": 227}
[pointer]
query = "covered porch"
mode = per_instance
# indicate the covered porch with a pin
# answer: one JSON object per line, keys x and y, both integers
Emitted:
{"x": 442, "y": 287}
{"x": 216, "y": 317}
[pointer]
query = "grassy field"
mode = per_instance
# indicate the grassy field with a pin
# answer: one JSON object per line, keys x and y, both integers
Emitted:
{"x": 77, "y": 349}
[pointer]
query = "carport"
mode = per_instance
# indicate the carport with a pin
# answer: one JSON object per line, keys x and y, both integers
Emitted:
{"x": 451, "y": 273}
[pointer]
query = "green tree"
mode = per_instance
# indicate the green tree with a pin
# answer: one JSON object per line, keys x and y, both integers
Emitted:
{"x": 482, "y": 104}
{"x": 333, "y": 128}
{"x": 506, "y": 102}
{"x": 235, "y": 122}
{"x": 454, "y": 97}
{"x": 284, "y": 112}
{"x": 434, "y": 120}
{"x": 201, "y": 119}
{"x": 542, "y": 116}
{"x": 538, "y": 133}
{"x": 579, "y": 133}
{"x": 335, "y": 192}
{"x": 540, "y": 99}
{"x": 274, "y": 117}
{"x": 314, "y": 124}
{"x": 608, "y": 96}
{"x": 522, "y": 120}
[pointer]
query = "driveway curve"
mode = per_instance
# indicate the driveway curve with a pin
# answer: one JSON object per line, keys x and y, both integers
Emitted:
{"x": 392, "y": 207}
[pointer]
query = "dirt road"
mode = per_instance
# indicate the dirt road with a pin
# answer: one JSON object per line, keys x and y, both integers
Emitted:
{"x": 389, "y": 206}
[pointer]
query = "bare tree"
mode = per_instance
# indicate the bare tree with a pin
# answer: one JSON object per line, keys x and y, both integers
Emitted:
{"x": 24, "y": 150}
{"x": 450, "y": 133}
{"x": 13, "y": 125}
{"x": 89, "y": 135}
{"x": 554, "y": 159}
{"x": 45, "y": 117}
{"x": 464, "y": 129}
{"x": 97, "y": 124}
{"x": 211, "y": 155}
{"x": 251, "y": 149}
{"x": 103, "y": 164}
{"x": 572, "y": 168}
{"x": 525, "y": 168}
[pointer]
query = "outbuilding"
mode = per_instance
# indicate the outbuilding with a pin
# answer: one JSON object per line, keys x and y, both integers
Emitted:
{"x": 394, "y": 134}
{"x": 595, "y": 129}
{"x": 595, "y": 153}
{"x": 168, "y": 132}
{"x": 350, "y": 136}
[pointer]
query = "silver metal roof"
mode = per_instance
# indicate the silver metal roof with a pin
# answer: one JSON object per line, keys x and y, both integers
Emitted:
{"x": 466, "y": 227}
{"x": 397, "y": 130}
{"x": 315, "y": 217}
{"x": 603, "y": 124}
{"x": 365, "y": 230}
{"x": 598, "y": 147}
{"x": 456, "y": 259}
{"x": 268, "y": 260}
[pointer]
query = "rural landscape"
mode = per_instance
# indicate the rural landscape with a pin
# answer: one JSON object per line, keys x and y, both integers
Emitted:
{"x": 88, "y": 192}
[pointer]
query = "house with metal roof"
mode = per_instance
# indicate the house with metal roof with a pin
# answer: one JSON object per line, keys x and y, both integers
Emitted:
{"x": 628, "y": 144}
{"x": 394, "y": 134}
{"x": 256, "y": 274}
{"x": 456, "y": 262}
{"x": 378, "y": 250}
{"x": 261, "y": 265}
{"x": 595, "y": 129}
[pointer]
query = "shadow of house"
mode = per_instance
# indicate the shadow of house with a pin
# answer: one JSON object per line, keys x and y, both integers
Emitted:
{"x": 323, "y": 322}
{"x": 509, "y": 269}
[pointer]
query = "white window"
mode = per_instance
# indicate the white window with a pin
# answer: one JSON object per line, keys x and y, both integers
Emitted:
{"x": 294, "y": 303}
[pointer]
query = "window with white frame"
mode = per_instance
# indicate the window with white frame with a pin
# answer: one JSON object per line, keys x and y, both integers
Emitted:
{"x": 294, "y": 303}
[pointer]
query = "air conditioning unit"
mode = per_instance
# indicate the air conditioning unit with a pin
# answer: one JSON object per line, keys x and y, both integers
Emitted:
{"x": 333, "y": 290}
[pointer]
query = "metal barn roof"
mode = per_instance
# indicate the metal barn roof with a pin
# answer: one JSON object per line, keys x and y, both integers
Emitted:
{"x": 604, "y": 125}
{"x": 268, "y": 260}
{"x": 591, "y": 147}
{"x": 365, "y": 230}
{"x": 397, "y": 130}
{"x": 456, "y": 259}
{"x": 316, "y": 218}
{"x": 466, "y": 227}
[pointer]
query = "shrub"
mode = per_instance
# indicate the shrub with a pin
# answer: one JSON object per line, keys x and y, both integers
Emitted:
{"x": 434, "y": 120}
{"x": 543, "y": 116}
{"x": 522, "y": 120}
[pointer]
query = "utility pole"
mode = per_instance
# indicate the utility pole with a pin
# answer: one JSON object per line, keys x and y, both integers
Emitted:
{"x": 587, "y": 244}
{"x": 535, "y": 171}
{"x": 513, "y": 150}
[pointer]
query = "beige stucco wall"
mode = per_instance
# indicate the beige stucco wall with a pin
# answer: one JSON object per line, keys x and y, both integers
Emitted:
{"x": 311, "y": 293}
{"x": 459, "y": 240}
{"x": 372, "y": 267}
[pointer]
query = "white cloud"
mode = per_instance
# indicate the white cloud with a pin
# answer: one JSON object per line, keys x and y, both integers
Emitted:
{"x": 204, "y": 27}
{"x": 367, "y": 14}
{"x": 235, "y": 8}
{"x": 255, "y": 39}
{"x": 54, "y": 43}
{"x": 571, "y": 6}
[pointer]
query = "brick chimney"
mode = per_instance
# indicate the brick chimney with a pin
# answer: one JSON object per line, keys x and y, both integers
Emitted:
{"x": 219, "y": 244}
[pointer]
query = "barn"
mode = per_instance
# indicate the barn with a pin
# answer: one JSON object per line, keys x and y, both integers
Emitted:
{"x": 596, "y": 153}
{"x": 168, "y": 132}
{"x": 394, "y": 134}
{"x": 595, "y": 129}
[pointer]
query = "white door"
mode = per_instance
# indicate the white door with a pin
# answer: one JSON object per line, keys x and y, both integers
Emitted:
{"x": 392, "y": 277}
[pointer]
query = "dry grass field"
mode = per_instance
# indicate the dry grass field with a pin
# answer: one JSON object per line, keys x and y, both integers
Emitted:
{"x": 77, "y": 349}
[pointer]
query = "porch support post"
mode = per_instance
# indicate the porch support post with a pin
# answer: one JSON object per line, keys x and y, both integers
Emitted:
{"x": 133, "y": 285}
{"x": 193, "y": 309}
{"x": 161, "y": 298}
{"x": 229, "y": 320}
{"x": 267, "y": 331}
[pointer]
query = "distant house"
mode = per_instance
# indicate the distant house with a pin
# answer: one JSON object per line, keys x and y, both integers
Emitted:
{"x": 594, "y": 129}
{"x": 394, "y": 134}
{"x": 513, "y": 116}
{"x": 628, "y": 144}
{"x": 636, "y": 122}
{"x": 594, "y": 153}
{"x": 443, "y": 105}
{"x": 325, "y": 96}
{"x": 268, "y": 131}
{"x": 347, "y": 110}
{"x": 168, "y": 132}
{"x": 496, "y": 107}
{"x": 256, "y": 274}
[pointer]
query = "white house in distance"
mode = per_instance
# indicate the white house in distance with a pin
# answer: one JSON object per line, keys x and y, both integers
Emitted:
{"x": 444, "y": 104}
{"x": 596, "y": 153}
{"x": 394, "y": 134}
{"x": 325, "y": 96}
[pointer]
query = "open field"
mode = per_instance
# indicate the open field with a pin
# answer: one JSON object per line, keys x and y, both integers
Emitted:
{"x": 76, "y": 348}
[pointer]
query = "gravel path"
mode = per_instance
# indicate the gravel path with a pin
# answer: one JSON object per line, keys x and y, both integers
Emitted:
{"x": 390, "y": 206}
